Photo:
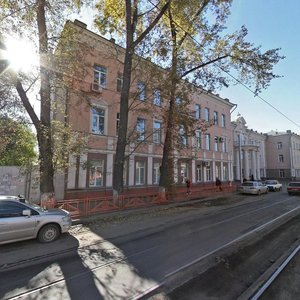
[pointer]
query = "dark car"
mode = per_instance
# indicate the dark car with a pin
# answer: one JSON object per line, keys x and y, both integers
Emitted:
{"x": 293, "y": 188}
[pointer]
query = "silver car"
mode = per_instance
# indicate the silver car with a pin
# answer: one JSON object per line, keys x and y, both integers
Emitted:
{"x": 23, "y": 221}
{"x": 253, "y": 187}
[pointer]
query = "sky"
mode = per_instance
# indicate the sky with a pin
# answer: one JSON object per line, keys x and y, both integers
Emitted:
{"x": 270, "y": 24}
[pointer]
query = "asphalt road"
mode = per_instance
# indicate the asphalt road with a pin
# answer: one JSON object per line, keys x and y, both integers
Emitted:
{"x": 128, "y": 268}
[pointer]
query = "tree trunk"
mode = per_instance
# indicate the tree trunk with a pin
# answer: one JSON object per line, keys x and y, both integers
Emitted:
{"x": 122, "y": 132}
{"x": 44, "y": 129}
{"x": 167, "y": 166}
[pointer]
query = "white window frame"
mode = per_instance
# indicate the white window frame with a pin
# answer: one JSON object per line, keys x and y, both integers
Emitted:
{"x": 96, "y": 165}
{"x": 95, "y": 127}
{"x": 157, "y": 97}
{"x": 157, "y": 138}
{"x": 223, "y": 120}
{"x": 141, "y": 128}
{"x": 206, "y": 114}
{"x": 216, "y": 143}
{"x": 279, "y": 145}
{"x": 199, "y": 173}
{"x": 140, "y": 172}
{"x": 141, "y": 87}
{"x": 224, "y": 144}
{"x": 216, "y": 118}
{"x": 198, "y": 111}
{"x": 156, "y": 173}
{"x": 119, "y": 82}
{"x": 183, "y": 136}
{"x": 100, "y": 75}
{"x": 198, "y": 139}
{"x": 207, "y": 141}
{"x": 280, "y": 158}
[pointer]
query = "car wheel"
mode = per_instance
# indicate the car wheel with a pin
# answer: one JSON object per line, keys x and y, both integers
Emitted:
{"x": 258, "y": 193}
{"x": 290, "y": 194}
{"x": 275, "y": 189}
{"x": 48, "y": 233}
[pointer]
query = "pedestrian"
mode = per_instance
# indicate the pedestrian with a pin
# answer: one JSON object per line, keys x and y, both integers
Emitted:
{"x": 252, "y": 177}
{"x": 188, "y": 186}
{"x": 219, "y": 183}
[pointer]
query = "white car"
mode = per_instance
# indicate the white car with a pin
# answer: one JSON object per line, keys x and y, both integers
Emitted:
{"x": 253, "y": 187}
{"x": 273, "y": 185}
{"x": 22, "y": 221}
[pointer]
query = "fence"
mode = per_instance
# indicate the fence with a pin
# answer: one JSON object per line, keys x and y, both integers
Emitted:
{"x": 90, "y": 206}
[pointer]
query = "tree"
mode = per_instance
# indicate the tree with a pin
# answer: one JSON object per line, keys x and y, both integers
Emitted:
{"x": 18, "y": 143}
{"x": 198, "y": 51}
{"x": 138, "y": 21}
{"x": 41, "y": 22}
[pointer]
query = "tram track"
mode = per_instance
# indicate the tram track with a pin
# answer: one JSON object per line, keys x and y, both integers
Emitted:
{"x": 262, "y": 284}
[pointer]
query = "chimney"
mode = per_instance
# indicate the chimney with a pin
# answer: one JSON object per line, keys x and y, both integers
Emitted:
{"x": 80, "y": 24}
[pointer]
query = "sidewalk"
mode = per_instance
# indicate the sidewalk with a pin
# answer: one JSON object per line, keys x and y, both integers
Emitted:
{"x": 114, "y": 226}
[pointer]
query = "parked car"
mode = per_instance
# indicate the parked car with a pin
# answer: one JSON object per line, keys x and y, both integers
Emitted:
{"x": 253, "y": 187}
{"x": 273, "y": 185}
{"x": 23, "y": 221}
{"x": 293, "y": 188}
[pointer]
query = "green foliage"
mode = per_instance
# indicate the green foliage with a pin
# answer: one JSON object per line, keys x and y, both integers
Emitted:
{"x": 17, "y": 147}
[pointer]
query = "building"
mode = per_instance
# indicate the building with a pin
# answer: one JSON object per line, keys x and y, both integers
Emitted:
{"x": 283, "y": 159}
{"x": 249, "y": 152}
{"x": 91, "y": 106}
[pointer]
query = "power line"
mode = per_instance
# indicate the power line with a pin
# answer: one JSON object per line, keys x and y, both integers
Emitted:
{"x": 237, "y": 80}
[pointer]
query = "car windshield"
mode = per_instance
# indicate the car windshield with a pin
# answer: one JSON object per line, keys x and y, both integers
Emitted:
{"x": 294, "y": 184}
{"x": 248, "y": 184}
{"x": 36, "y": 207}
{"x": 271, "y": 181}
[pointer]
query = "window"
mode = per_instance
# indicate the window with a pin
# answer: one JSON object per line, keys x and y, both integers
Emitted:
{"x": 11, "y": 210}
{"x": 183, "y": 136}
{"x": 223, "y": 122}
{"x": 207, "y": 141}
{"x": 157, "y": 97}
{"x": 206, "y": 114}
{"x": 157, "y": 132}
{"x": 216, "y": 143}
{"x": 183, "y": 171}
{"x": 197, "y": 111}
{"x": 140, "y": 128}
{"x": 119, "y": 82}
{"x": 199, "y": 173}
{"x": 208, "y": 173}
{"x": 216, "y": 118}
{"x": 141, "y": 91}
{"x": 225, "y": 172}
{"x": 100, "y": 75}
{"x": 224, "y": 144}
{"x": 98, "y": 120}
{"x": 96, "y": 172}
{"x": 279, "y": 145}
{"x": 156, "y": 173}
{"x": 281, "y": 173}
{"x": 140, "y": 173}
{"x": 198, "y": 143}
{"x": 280, "y": 158}
{"x": 118, "y": 123}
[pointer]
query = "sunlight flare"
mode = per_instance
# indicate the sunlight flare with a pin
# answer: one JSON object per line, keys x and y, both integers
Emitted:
{"x": 21, "y": 54}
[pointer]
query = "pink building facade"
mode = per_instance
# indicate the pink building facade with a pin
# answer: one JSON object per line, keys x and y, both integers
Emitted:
{"x": 92, "y": 108}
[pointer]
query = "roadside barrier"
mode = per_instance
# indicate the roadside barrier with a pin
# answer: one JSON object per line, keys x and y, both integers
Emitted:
{"x": 90, "y": 206}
